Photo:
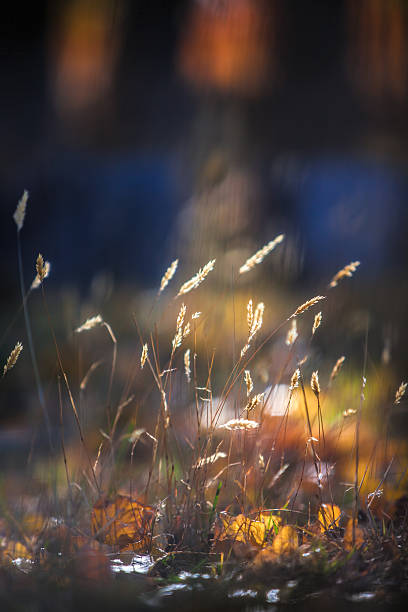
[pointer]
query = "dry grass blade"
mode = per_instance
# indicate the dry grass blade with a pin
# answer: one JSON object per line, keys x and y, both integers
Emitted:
{"x": 143, "y": 356}
{"x": 306, "y": 305}
{"x": 197, "y": 279}
{"x": 260, "y": 255}
{"x": 168, "y": 275}
{"x": 12, "y": 358}
{"x": 346, "y": 271}
{"x": 90, "y": 324}
{"x": 336, "y": 368}
{"x": 400, "y": 392}
{"x": 316, "y": 323}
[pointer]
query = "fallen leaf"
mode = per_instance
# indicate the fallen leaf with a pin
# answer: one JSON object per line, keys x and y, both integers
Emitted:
{"x": 123, "y": 523}
{"x": 329, "y": 517}
{"x": 242, "y": 529}
{"x": 359, "y": 538}
{"x": 286, "y": 541}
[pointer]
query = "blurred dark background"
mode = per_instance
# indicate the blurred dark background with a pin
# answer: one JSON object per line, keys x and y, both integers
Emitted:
{"x": 146, "y": 130}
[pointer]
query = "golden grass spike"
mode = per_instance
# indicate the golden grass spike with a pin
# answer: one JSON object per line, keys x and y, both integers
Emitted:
{"x": 248, "y": 382}
{"x": 292, "y": 333}
{"x": 12, "y": 358}
{"x": 400, "y": 392}
{"x": 40, "y": 267}
{"x": 36, "y": 282}
{"x": 90, "y": 324}
{"x": 316, "y": 323}
{"x": 250, "y": 315}
{"x": 209, "y": 460}
{"x": 187, "y": 368}
{"x": 197, "y": 279}
{"x": 253, "y": 402}
{"x": 168, "y": 275}
{"x": 314, "y": 383}
{"x": 20, "y": 212}
{"x": 143, "y": 356}
{"x": 178, "y": 338}
{"x": 260, "y": 255}
{"x": 294, "y": 381}
{"x": 257, "y": 320}
{"x": 336, "y": 367}
{"x": 240, "y": 424}
{"x": 196, "y": 315}
{"x": 346, "y": 271}
{"x": 306, "y": 305}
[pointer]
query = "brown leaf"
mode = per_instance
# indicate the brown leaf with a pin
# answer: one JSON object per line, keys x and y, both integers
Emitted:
{"x": 123, "y": 523}
{"x": 348, "y": 536}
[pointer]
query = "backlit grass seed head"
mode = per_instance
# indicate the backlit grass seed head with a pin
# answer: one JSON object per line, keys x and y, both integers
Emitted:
{"x": 40, "y": 267}
{"x": 197, "y": 279}
{"x": 337, "y": 366}
{"x": 90, "y": 324}
{"x": 209, "y": 460}
{"x": 314, "y": 383}
{"x": 186, "y": 330}
{"x": 294, "y": 381}
{"x": 257, "y": 320}
{"x": 400, "y": 392}
{"x": 170, "y": 272}
{"x": 240, "y": 424}
{"x": 346, "y": 271}
{"x": 143, "y": 356}
{"x": 12, "y": 358}
{"x": 187, "y": 368}
{"x": 250, "y": 315}
{"x": 292, "y": 333}
{"x": 316, "y": 323}
{"x": 36, "y": 282}
{"x": 306, "y": 305}
{"x": 253, "y": 402}
{"x": 20, "y": 212}
{"x": 178, "y": 338}
{"x": 260, "y": 255}
{"x": 248, "y": 382}
{"x": 350, "y": 412}
{"x": 196, "y": 315}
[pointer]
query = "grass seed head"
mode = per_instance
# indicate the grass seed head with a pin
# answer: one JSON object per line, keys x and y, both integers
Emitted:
{"x": 337, "y": 366}
{"x": 260, "y": 255}
{"x": 248, "y": 382}
{"x": 12, "y": 358}
{"x": 292, "y": 333}
{"x": 143, "y": 356}
{"x": 294, "y": 381}
{"x": 314, "y": 383}
{"x": 240, "y": 424}
{"x": 20, "y": 212}
{"x": 170, "y": 272}
{"x": 400, "y": 392}
{"x": 346, "y": 271}
{"x": 306, "y": 305}
{"x": 316, "y": 323}
{"x": 40, "y": 267}
{"x": 187, "y": 368}
{"x": 197, "y": 279}
{"x": 90, "y": 324}
{"x": 36, "y": 282}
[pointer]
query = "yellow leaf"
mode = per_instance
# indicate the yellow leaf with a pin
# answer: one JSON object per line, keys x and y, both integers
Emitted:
{"x": 286, "y": 541}
{"x": 329, "y": 516}
{"x": 242, "y": 529}
{"x": 359, "y": 538}
{"x": 123, "y": 522}
{"x": 15, "y": 550}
